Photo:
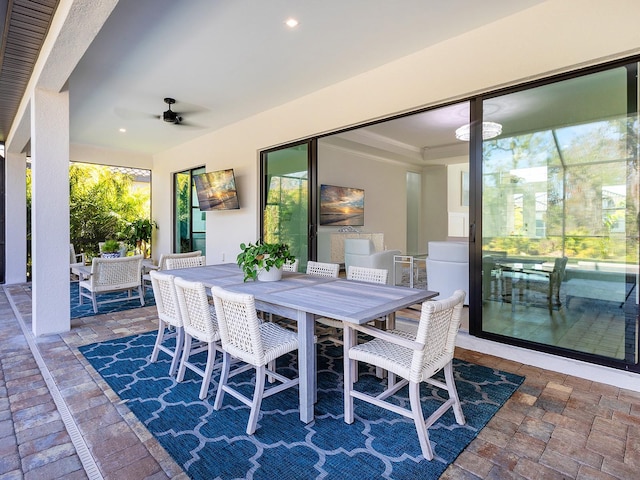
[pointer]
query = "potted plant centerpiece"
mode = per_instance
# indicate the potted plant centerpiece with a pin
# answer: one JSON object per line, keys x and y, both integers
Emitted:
{"x": 111, "y": 249}
{"x": 263, "y": 261}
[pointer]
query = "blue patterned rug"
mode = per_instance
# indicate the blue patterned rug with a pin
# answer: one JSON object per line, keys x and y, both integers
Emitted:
{"x": 86, "y": 309}
{"x": 212, "y": 444}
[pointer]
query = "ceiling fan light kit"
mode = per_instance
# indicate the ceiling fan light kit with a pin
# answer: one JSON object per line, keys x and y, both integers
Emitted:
{"x": 489, "y": 130}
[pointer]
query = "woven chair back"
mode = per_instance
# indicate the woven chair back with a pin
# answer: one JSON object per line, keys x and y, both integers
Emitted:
{"x": 164, "y": 291}
{"x": 162, "y": 263}
{"x": 320, "y": 269}
{"x": 116, "y": 273}
{"x": 239, "y": 325}
{"x": 291, "y": 266}
{"x": 198, "y": 318}
{"x": 366, "y": 274}
{"x": 437, "y": 330}
{"x": 185, "y": 262}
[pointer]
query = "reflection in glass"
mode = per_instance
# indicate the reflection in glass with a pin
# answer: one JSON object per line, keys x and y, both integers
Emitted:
{"x": 559, "y": 228}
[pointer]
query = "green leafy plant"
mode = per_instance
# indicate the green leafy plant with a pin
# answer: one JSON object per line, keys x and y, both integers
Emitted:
{"x": 257, "y": 256}
{"x": 138, "y": 234}
{"x": 111, "y": 246}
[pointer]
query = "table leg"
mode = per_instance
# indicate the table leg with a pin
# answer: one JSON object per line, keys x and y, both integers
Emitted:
{"x": 348, "y": 338}
{"x": 306, "y": 365}
{"x": 391, "y": 321}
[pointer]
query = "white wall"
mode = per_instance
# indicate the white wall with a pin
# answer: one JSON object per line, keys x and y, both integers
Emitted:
{"x": 434, "y": 195}
{"x": 458, "y": 214}
{"x": 545, "y": 39}
{"x": 385, "y": 197}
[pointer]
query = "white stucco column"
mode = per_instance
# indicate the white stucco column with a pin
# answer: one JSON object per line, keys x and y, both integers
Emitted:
{"x": 50, "y": 211}
{"x": 15, "y": 218}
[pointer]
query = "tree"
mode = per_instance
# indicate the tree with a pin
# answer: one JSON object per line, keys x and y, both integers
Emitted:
{"x": 102, "y": 204}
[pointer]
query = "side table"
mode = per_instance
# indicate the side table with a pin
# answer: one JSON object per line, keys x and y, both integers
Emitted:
{"x": 415, "y": 263}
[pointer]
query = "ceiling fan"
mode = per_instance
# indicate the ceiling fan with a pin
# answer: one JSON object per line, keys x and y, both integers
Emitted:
{"x": 169, "y": 115}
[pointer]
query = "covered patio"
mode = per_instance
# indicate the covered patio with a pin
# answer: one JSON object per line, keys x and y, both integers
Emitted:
{"x": 557, "y": 425}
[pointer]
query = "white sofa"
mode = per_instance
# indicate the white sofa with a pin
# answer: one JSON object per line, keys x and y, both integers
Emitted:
{"x": 448, "y": 268}
{"x": 360, "y": 252}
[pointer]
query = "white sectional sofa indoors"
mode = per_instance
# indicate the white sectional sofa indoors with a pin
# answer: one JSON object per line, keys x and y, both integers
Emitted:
{"x": 448, "y": 268}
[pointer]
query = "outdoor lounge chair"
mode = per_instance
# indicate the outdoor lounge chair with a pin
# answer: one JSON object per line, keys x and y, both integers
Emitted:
{"x": 113, "y": 275}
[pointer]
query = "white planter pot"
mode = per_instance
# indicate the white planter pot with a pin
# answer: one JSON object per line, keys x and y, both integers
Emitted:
{"x": 273, "y": 275}
{"x": 111, "y": 255}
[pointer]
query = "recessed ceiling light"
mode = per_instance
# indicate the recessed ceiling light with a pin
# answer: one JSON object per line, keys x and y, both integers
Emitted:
{"x": 291, "y": 22}
{"x": 122, "y": 130}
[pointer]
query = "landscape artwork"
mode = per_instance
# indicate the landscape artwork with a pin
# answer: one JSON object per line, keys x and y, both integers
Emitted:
{"x": 217, "y": 190}
{"x": 341, "y": 205}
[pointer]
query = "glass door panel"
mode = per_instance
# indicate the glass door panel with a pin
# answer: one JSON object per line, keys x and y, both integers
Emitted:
{"x": 286, "y": 199}
{"x": 189, "y": 231}
{"x": 559, "y": 206}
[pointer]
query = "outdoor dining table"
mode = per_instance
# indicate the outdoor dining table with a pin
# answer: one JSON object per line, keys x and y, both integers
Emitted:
{"x": 302, "y": 297}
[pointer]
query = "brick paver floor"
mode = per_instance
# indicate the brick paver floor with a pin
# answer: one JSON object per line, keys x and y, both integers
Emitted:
{"x": 554, "y": 427}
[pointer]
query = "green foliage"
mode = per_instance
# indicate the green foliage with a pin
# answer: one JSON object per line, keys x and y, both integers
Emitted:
{"x": 140, "y": 230}
{"x": 111, "y": 246}
{"x": 102, "y": 204}
{"x": 259, "y": 255}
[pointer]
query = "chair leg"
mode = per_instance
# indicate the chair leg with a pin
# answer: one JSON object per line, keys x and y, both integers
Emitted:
{"x": 178, "y": 350}
{"x": 418, "y": 419}
{"x": 257, "y": 400}
{"x": 186, "y": 351}
{"x": 141, "y": 294}
{"x": 95, "y": 302}
{"x": 391, "y": 379}
{"x": 159, "y": 340}
{"x": 453, "y": 393}
{"x": 272, "y": 367}
{"x": 224, "y": 376}
{"x": 206, "y": 379}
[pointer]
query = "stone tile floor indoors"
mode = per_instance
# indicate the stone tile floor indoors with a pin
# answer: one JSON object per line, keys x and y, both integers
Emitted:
{"x": 554, "y": 427}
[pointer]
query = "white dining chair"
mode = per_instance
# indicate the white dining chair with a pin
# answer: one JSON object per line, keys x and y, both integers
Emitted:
{"x": 256, "y": 343}
{"x": 322, "y": 269}
{"x": 415, "y": 358}
{"x": 162, "y": 264}
{"x": 291, "y": 266}
{"x": 200, "y": 324}
{"x": 363, "y": 274}
{"x": 186, "y": 262}
{"x": 164, "y": 292}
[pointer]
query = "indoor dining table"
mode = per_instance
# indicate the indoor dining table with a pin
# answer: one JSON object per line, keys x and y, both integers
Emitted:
{"x": 301, "y": 298}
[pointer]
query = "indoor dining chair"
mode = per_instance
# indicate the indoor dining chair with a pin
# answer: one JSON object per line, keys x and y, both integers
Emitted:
{"x": 164, "y": 292}
{"x": 256, "y": 343}
{"x": 415, "y": 358}
{"x": 201, "y": 325}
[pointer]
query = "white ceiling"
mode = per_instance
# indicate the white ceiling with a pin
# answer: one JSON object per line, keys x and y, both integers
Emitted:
{"x": 227, "y": 60}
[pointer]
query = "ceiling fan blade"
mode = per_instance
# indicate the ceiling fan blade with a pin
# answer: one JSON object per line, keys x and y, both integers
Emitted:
{"x": 128, "y": 114}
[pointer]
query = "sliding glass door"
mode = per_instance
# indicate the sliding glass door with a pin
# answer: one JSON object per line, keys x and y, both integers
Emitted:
{"x": 559, "y": 217}
{"x": 287, "y": 199}
{"x": 189, "y": 229}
